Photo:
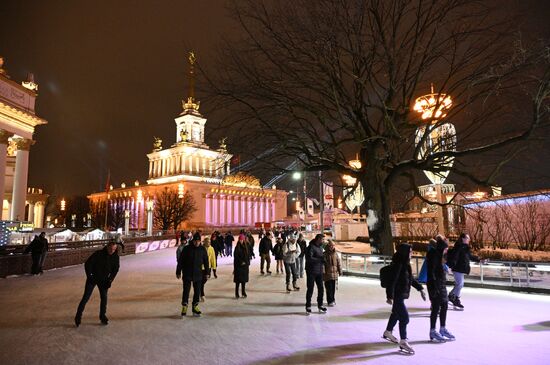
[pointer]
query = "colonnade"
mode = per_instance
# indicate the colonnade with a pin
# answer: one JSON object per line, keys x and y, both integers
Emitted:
{"x": 238, "y": 210}
{"x": 186, "y": 164}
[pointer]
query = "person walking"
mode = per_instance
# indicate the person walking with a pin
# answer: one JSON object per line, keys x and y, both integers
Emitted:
{"x": 192, "y": 261}
{"x": 300, "y": 260}
{"x": 333, "y": 269}
{"x": 101, "y": 269}
{"x": 251, "y": 242}
{"x": 229, "y": 244}
{"x": 314, "y": 273}
{"x": 396, "y": 293}
{"x": 278, "y": 254}
{"x": 291, "y": 251}
{"x": 211, "y": 263}
{"x": 241, "y": 265}
{"x": 265, "y": 248}
{"x": 437, "y": 290}
{"x": 458, "y": 259}
{"x": 38, "y": 249}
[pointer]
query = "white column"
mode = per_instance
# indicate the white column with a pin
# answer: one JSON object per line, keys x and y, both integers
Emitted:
{"x": 39, "y": 216}
{"x": 210, "y": 167}
{"x": 228, "y": 209}
{"x": 20, "y": 179}
{"x": 191, "y": 164}
{"x": 197, "y": 165}
{"x": 215, "y": 207}
{"x": 30, "y": 218}
{"x": 236, "y": 208}
{"x": 149, "y": 217}
{"x": 4, "y": 135}
{"x": 243, "y": 210}
{"x": 150, "y": 168}
{"x": 222, "y": 209}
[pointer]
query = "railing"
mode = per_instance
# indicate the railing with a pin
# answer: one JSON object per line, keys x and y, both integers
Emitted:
{"x": 520, "y": 276}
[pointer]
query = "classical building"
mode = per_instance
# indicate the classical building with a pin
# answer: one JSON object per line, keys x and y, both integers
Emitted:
{"x": 17, "y": 123}
{"x": 222, "y": 199}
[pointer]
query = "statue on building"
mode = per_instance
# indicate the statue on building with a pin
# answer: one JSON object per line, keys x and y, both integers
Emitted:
{"x": 2, "y": 71}
{"x": 157, "y": 144}
{"x": 184, "y": 135}
{"x": 223, "y": 145}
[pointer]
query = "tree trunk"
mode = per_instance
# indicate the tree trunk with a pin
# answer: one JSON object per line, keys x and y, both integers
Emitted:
{"x": 377, "y": 205}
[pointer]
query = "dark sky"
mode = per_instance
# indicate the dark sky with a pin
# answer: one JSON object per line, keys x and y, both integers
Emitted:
{"x": 112, "y": 75}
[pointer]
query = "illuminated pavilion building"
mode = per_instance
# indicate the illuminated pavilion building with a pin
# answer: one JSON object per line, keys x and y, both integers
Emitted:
{"x": 18, "y": 121}
{"x": 223, "y": 200}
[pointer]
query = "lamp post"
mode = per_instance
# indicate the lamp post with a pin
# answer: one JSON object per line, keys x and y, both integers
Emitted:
{"x": 297, "y": 176}
{"x": 126, "y": 222}
{"x": 62, "y": 206}
{"x": 139, "y": 203}
{"x": 149, "y": 204}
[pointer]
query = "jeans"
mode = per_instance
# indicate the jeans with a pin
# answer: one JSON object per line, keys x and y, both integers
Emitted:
{"x": 187, "y": 289}
{"x": 291, "y": 269}
{"x": 312, "y": 280}
{"x": 459, "y": 284}
{"x": 439, "y": 306}
{"x": 300, "y": 266}
{"x": 88, "y": 289}
{"x": 264, "y": 257}
{"x": 399, "y": 313}
{"x": 228, "y": 250}
{"x": 330, "y": 286}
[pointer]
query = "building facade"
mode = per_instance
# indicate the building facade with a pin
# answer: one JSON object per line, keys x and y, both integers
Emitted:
{"x": 190, "y": 165}
{"x": 18, "y": 121}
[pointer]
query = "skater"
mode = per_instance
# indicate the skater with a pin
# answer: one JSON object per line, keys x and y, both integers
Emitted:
{"x": 101, "y": 269}
{"x": 241, "y": 264}
{"x": 437, "y": 290}
{"x": 265, "y": 249}
{"x": 459, "y": 258}
{"x": 396, "y": 293}
{"x": 333, "y": 269}
{"x": 300, "y": 260}
{"x": 314, "y": 273}
{"x": 211, "y": 263}
{"x": 278, "y": 253}
{"x": 423, "y": 275}
{"x": 229, "y": 244}
{"x": 193, "y": 260}
{"x": 291, "y": 251}
{"x": 251, "y": 242}
{"x": 38, "y": 249}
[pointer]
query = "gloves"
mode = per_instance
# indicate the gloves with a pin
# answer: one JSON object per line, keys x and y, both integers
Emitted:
{"x": 423, "y": 295}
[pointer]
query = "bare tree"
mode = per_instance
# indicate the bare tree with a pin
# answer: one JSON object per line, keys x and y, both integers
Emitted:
{"x": 318, "y": 82}
{"x": 171, "y": 209}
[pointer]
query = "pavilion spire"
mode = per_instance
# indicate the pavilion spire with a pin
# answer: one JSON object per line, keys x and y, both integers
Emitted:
{"x": 191, "y": 105}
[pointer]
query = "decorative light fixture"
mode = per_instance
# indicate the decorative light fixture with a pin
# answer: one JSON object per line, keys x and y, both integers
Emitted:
{"x": 433, "y": 106}
{"x": 63, "y": 205}
{"x": 180, "y": 190}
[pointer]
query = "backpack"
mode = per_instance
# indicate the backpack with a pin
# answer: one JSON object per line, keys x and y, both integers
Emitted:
{"x": 451, "y": 257}
{"x": 386, "y": 275}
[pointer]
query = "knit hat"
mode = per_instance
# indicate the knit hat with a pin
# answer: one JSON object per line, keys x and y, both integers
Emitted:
{"x": 242, "y": 237}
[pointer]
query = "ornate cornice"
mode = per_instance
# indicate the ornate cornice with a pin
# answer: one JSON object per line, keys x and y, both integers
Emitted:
{"x": 23, "y": 144}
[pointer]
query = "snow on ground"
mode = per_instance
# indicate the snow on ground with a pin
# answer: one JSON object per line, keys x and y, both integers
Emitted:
{"x": 269, "y": 327}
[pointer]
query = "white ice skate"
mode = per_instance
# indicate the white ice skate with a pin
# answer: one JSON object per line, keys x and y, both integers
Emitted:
{"x": 387, "y": 335}
{"x": 405, "y": 348}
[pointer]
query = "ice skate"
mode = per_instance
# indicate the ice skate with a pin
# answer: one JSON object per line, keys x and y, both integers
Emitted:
{"x": 196, "y": 311}
{"x": 244, "y": 295}
{"x": 104, "y": 320}
{"x": 308, "y": 311}
{"x": 457, "y": 304}
{"x": 77, "y": 320}
{"x": 405, "y": 348}
{"x": 184, "y": 310}
{"x": 322, "y": 310}
{"x": 436, "y": 337}
{"x": 262, "y": 273}
{"x": 387, "y": 335}
{"x": 331, "y": 304}
{"x": 295, "y": 286}
{"x": 268, "y": 272}
{"x": 202, "y": 298}
{"x": 288, "y": 290}
{"x": 446, "y": 334}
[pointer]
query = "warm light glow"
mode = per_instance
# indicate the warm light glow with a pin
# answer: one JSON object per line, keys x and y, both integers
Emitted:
{"x": 433, "y": 106}
{"x": 123, "y": 185}
{"x": 479, "y": 194}
{"x": 139, "y": 196}
{"x": 180, "y": 190}
{"x": 136, "y": 183}
{"x": 340, "y": 204}
{"x": 149, "y": 204}
{"x": 63, "y": 205}
{"x": 355, "y": 164}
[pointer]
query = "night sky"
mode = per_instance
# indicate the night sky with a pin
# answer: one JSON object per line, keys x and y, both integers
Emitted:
{"x": 112, "y": 75}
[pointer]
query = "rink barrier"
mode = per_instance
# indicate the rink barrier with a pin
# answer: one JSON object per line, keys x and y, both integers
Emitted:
{"x": 532, "y": 277}
{"x": 61, "y": 254}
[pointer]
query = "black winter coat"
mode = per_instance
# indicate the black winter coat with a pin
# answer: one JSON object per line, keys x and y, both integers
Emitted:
{"x": 102, "y": 267}
{"x": 191, "y": 261}
{"x": 315, "y": 259}
{"x": 400, "y": 286}
{"x": 461, "y": 258}
{"x": 37, "y": 246}
{"x": 436, "y": 276}
{"x": 241, "y": 264}
{"x": 266, "y": 246}
{"x": 302, "y": 244}
{"x": 278, "y": 251}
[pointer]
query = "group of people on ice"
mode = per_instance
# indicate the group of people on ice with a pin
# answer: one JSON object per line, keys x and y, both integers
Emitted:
{"x": 197, "y": 260}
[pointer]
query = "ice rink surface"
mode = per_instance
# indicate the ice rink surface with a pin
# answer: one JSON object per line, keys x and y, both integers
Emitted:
{"x": 269, "y": 327}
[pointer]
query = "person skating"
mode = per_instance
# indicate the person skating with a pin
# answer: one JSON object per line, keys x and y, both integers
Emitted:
{"x": 459, "y": 258}
{"x": 300, "y": 260}
{"x": 229, "y": 244}
{"x": 396, "y": 293}
{"x": 101, "y": 269}
{"x": 278, "y": 254}
{"x": 291, "y": 251}
{"x": 333, "y": 269}
{"x": 38, "y": 249}
{"x": 437, "y": 290}
{"x": 192, "y": 261}
{"x": 265, "y": 248}
{"x": 241, "y": 264}
{"x": 314, "y": 273}
{"x": 211, "y": 263}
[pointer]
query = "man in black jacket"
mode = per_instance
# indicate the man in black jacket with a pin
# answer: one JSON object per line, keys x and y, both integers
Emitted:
{"x": 191, "y": 263}
{"x": 315, "y": 263}
{"x": 101, "y": 269}
{"x": 265, "y": 249}
{"x": 459, "y": 258}
{"x": 38, "y": 249}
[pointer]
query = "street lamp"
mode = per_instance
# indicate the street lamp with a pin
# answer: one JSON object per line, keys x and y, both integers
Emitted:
{"x": 139, "y": 201}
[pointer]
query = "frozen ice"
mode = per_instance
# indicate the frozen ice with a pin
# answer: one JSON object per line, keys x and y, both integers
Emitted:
{"x": 269, "y": 327}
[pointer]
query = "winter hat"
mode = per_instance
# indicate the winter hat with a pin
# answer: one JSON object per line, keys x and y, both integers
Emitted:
{"x": 242, "y": 237}
{"x": 197, "y": 237}
{"x": 403, "y": 251}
